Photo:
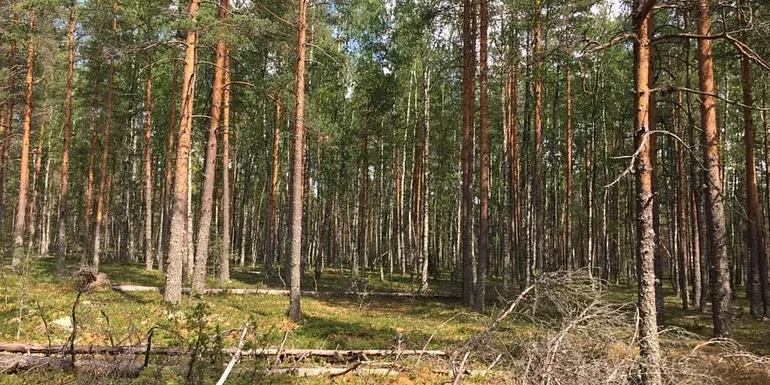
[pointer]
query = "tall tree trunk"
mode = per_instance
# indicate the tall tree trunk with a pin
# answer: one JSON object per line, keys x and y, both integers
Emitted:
{"x": 21, "y": 209}
{"x": 568, "y": 156}
{"x": 298, "y": 167}
{"x": 106, "y": 146}
{"x": 469, "y": 70}
{"x": 426, "y": 178}
{"x": 148, "y": 161}
{"x": 715, "y": 215}
{"x": 537, "y": 193}
{"x": 681, "y": 207}
{"x": 757, "y": 270}
{"x": 87, "y": 237}
{"x": 61, "y": 226}
{"x": 7, "y": 127}
{"x": 46, "y": 214}
{"x": 700, "y": 273}
{"x": 177, "y": 246}
{"x": 653, "y": 148}
{"x": 483, "y": 240}
{"x": 766, "y": 130}
{"x": 165, "y": 214}
{"x": 32, "y": 220}
{"x": 363, "y": 204}
{"x": 224, "y": 272}
{"x": 209, "y": 177}
{"x": 189, "y": 235}
{"x": 272, "y": 241}
{"x": 645, "y": 243}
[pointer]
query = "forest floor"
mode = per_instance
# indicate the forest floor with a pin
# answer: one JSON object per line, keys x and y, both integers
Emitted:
{"x": 35, "y": 307}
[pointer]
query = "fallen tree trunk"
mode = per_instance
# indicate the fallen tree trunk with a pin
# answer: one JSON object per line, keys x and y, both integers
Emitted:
{"x": 308, "y": 293}
{"x": 315, "y": 372}
{"x": 115, "y": 350}
{"x": 14, "y": 363}
{"x": 333, "y": 372}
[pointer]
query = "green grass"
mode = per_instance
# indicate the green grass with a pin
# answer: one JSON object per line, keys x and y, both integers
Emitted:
{"x": 347, "y": 322}
{"x": 32, "y": 302}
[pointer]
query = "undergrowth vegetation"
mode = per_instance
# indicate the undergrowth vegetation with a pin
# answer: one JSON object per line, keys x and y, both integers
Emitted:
{"x": 567, "y": 329}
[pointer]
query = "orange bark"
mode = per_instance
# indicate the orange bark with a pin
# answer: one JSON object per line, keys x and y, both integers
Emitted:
{"x": 210, "y": 168}
{"x": 21, "y": 209}
{"x": 721, "y": 291}
{"x": 177, "y": 249}
{"x": 648, "y": 327}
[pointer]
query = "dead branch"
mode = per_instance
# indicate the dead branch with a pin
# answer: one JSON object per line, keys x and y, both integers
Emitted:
{"x": 235, "y": 358}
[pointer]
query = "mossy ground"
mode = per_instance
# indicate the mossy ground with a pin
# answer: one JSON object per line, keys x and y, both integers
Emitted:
{"x": 35, "y": 306}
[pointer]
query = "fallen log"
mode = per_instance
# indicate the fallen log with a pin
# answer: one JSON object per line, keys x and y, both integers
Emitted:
{"x": 14, "y": 363}
{"x": 308, "y": 293}
{"x": 334, "y": 372}
{"x": 159, "y": 350}
{"x": 315, "y": 372}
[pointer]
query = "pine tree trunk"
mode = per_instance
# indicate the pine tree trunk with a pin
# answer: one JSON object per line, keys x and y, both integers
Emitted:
{"x": 483, "y": 240}
{"x": 189, "y": 261}
{"x": 177, "y": 246}
{"x": 167, "y": 187}
{"x": 148, "y": 163}
{"x": 61, "y": 226}
{"x": 757, "y": 271}
{"x": 210, "y": 168}
{"x": 398, "y": 205}
{"x": 653, "y": 111}
{"x": 721, "y": 292}
{"x": 272, "y": 241}
{"x": 537, "y": 190}
{"x": 568, "y": 157}
{"x": 46, "y": 214}
{"x": 96, "y": 255}
{"x": 469, "y": 69}
{"x": 87, "y": 237}
{"x": 32, "y": 220}
{"x": 764, "y": 260}
{"x": 21, "y": 209}
{"x": 648, "y": 328}
{"x": 224, "y": 272}
{"x": 297, "y": 168}
{"x": 700, "y": 271}
{"x": 681, "y": 208}
{"x": 7, "y": 126}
